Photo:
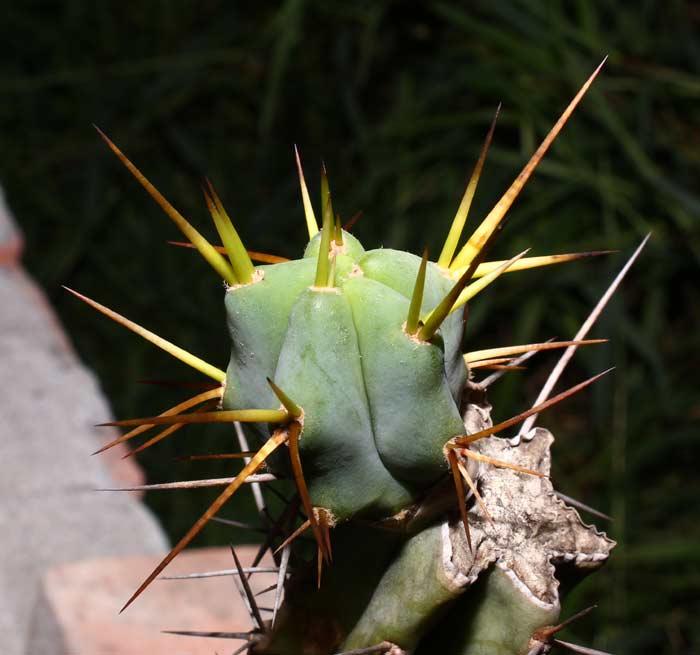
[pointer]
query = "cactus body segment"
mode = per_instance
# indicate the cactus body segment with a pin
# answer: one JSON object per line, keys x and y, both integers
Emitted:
{"x": 342, "y": 353}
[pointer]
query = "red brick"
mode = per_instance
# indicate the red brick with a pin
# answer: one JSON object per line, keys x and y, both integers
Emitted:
{"x": 84, "y": 599}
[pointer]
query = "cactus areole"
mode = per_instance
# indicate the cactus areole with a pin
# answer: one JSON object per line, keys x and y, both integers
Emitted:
{"x": 427, "y": 532}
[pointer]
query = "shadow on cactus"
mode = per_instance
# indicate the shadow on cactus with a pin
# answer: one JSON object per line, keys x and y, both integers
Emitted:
{"x": 429, "y": 534}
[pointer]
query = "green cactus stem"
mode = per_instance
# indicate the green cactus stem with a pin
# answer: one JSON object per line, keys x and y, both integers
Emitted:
{"x": 348, "y": 372}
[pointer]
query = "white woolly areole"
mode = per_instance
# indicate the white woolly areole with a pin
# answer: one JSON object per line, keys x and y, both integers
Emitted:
{"x": 258, "y": 276}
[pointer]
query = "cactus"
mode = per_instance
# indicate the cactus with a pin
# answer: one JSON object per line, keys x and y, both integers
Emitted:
{"x": 430, "y": 533}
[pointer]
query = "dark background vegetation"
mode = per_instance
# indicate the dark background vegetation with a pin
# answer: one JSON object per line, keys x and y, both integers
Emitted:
{"x": 397, "y": 98}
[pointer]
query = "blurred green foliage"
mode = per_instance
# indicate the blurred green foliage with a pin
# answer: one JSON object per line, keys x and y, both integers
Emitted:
{"x": 396, "y": 96}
